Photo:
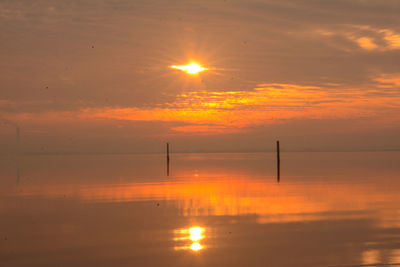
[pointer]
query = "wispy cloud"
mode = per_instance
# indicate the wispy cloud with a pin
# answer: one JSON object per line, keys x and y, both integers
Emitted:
{"x": 366, "y": 43}
{"x": 389, "y": 81}
{"x": 268, "y": 103}
{"x": 392, "y": 39}
{"x": 366, "y": 37}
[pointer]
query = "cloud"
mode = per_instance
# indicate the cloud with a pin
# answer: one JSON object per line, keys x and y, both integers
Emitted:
{"x": 233, "y": 111}
{"x": 365, "y": 37}
{"x": 388, "y": 81}
{"x": 366, "y": 43}
{"x": 392, "y": 39}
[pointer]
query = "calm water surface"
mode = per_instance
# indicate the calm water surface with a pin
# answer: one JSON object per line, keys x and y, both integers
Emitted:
{"x": 329, "y": 209}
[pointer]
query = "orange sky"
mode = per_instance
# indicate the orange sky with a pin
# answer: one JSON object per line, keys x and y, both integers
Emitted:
{"x": 75, "y": 75}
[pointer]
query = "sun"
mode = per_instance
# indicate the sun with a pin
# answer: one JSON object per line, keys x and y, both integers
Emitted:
{"x": 191, "y": 68}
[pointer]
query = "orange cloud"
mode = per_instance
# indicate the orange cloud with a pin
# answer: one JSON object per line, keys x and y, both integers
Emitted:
{"x": 366, "y": 43}
{"x": 231, "y": 111}
{"x": 367, "y": 37}
{"x": 392, "y": 39}
{"x": 224, "y": 111}
{"x": 388, "y": 81}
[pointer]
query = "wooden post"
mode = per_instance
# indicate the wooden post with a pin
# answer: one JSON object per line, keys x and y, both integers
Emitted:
{"x": 278, "y": 161}
{"x": 167, "y": 151}
{"x": 167, "y": 159}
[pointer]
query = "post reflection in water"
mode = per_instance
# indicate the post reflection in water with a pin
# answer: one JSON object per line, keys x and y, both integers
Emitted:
{"x": 189, "y": 238}
{"x": 167, "y": 159}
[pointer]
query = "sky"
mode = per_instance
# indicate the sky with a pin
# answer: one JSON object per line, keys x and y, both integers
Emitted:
{"x": 95, "y": 76}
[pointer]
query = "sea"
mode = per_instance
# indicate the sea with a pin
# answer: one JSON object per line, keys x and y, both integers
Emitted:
{"x": 201, "y": 209}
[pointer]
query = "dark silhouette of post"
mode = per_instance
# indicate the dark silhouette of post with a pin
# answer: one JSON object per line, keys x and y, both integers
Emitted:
{"x": 167, "y": 159}
{"x": 278, "y": 161}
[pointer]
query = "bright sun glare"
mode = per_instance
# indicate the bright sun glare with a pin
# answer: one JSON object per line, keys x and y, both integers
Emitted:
{"x": 196, "y": 247}
{"x": 193, "y": 234}
{"x": 196, "y": 233}
{"x": 192, "y": 68}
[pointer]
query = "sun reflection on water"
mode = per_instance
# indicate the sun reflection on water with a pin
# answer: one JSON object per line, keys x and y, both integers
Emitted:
{"x": 188, "y": 238}
{"x": 196, "y": 246}
{"x": 196, "y": 233}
